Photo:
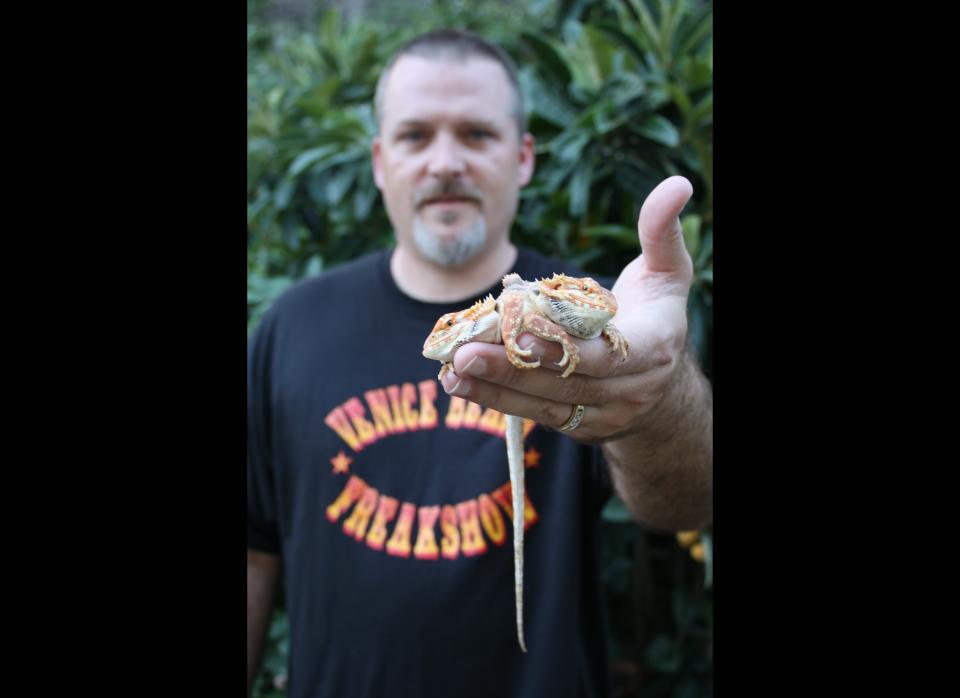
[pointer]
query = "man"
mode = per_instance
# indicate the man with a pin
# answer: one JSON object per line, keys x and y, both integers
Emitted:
{"x": 388, "y": 500}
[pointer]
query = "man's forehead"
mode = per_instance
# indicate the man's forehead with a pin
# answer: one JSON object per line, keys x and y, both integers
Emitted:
{"x": 419, "y": 83}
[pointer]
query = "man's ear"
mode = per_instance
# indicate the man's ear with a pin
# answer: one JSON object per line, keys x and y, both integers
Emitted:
{"x": 526, "y": 163}
{"x": 375, "y": 155}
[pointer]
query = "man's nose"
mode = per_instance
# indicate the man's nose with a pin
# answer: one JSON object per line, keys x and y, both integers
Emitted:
{"x": 445, "y": 157}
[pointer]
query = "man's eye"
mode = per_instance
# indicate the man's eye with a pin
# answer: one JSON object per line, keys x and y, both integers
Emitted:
{"x": 412, "y": 136}
{"x": 478, "y": 134}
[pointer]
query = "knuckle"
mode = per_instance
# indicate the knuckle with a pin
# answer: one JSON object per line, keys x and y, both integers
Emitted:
{"x": 666, "y": 348}
{"x": 612, "y": 363}
{"x": 635, "y": 400}
{"x": 488, "y": 394}
{"x": 619, "y": 420}
{"x": 550, "y": 413}
{"x": 507, "y": 373}
{"x": 603, "y": 394}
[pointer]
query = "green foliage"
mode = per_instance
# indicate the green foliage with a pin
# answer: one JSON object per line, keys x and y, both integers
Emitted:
{"x": 272, "y": 679}
{"x": 620, "y": 99}
{"x": 620, "y": 96}
{"x": 311, "y": 199}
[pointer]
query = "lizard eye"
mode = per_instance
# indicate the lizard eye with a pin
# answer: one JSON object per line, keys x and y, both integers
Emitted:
{"x": 449, "y": 323}
{"x": 583, "y": 288}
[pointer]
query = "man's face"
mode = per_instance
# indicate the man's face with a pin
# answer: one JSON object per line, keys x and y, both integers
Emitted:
{"x": 448, "y": 158}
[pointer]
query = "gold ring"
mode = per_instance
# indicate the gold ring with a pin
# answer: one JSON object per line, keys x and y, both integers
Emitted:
{"x": 575, "y": 418}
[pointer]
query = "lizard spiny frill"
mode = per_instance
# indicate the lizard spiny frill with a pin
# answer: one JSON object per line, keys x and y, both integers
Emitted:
{"x": 552, "y": 309}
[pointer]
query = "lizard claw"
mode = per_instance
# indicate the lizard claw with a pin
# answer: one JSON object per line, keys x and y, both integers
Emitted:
{"x": 618, "y": 343}
{"x": 520, "y": 363}
{"x": 571, "y": 366}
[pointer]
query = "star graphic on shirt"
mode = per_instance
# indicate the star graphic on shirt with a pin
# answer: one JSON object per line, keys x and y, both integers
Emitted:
{"x": 341, "y": 463}
{"x": 531, "y": 458}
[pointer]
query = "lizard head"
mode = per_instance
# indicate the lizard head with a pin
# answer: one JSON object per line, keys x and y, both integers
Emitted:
{"x": 478, "y": 323}
{"x": 579, "y": 304}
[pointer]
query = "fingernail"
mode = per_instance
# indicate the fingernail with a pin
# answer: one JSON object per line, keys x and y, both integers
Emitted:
{"x": 531, "y": 343}
{"x": 454, "y": 385}
{"x": 476, "y": 367}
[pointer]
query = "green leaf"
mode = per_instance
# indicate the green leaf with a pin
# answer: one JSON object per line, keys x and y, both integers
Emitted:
{"x": 353, "y": 93}
{"x": 568, "y": 10}
{"x": 338, "y": 183}
{"x": 283, "y": 193}
{"x": 568, "y": 146}
{"x": 624, "y": 40}
{"x": 314, "y": 266}
{"x": 582, "y": 259}
{"x": 547, "y": 100}
{"x": 660, "y": 130}
{"x": 601, "y": 51}
{"x": 691, "y": 232}
{"x": 649, "y": 31}
{"x": 580, "y": 188}
{"x": 698, "y": 74}
{"x": 680, "y": 98}
{"x": 621, "y": 233}
{"x": 552, "y": 176}
{"x": 317, "y": 102}
{"x": 548, "y": 57}
{"x": 697, "y": 328}
{"x": 616, "y": 512}
{"x": 365, "y": 195}
{"x": 605, "y": 116}
{"x": 702, "y": 114}
{"x": 698, "y": 26}
{"x": 706, "y": 249}
{"x": 329, "y": 29}
{"x": 310, "y": 157}
{"x": 274, "y": 97}
{"x": 626, "y": 88}
{"x": 670, "y": 15}
{"x": 365, "y": 57}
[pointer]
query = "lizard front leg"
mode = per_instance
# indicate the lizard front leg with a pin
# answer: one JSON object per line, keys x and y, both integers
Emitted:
{"x": 617, "y": 341}
{"x": 545, "y": 329}
{"x": 512, "y": 323}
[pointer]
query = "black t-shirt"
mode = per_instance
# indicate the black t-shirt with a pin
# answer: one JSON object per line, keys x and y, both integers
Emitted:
{"x": 389, "y": 502}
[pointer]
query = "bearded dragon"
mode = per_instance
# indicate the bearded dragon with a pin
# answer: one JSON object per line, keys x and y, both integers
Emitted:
{"x": 552, "y": 309}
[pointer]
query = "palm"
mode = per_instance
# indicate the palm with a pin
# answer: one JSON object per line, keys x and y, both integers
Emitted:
{"x": 652, "y": 289}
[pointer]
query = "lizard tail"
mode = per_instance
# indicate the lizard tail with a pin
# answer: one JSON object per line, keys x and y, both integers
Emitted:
{"x": 515, "y": 461}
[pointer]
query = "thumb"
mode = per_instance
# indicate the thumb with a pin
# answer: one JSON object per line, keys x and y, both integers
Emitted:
{"x": 661, "y": 237}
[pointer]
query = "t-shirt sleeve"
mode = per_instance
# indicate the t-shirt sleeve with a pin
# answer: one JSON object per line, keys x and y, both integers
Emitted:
{"x": 262, "y": 530}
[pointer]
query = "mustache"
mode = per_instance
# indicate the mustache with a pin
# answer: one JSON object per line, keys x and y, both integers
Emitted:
{"x": 447, "y": 187}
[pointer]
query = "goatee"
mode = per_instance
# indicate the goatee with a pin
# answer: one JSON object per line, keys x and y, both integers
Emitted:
{"x": 450, "y": 250}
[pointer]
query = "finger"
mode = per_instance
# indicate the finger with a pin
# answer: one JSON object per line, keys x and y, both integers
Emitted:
{"x": 489, "y": 363}
{"x": 543, "y": 411}
{"x": 597, "y": 357}
{"x": 661, "y": 237}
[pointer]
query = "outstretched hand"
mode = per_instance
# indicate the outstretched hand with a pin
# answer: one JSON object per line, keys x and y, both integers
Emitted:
{"x": 617, "y": 393}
